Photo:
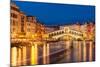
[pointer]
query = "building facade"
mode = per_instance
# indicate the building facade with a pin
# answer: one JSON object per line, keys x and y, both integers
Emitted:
{"x": 15, "y": 21}
{"x": 23, "y": 26}
{"x": 30, "y": 26}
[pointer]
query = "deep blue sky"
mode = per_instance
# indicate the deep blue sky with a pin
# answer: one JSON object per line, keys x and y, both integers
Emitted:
{"x": 57, "y": 14}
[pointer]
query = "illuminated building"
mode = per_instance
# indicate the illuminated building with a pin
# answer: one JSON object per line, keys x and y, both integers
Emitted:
{"x": 15, "y": 20}
{"x": 90, "y": 31}
{"x": 24, "y": 26}
{"x": 40, "y": 31}
{"x": 18, "y": 22}
{"x": 30, "y": 26}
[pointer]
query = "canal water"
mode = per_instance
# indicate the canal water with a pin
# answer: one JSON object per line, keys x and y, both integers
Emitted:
{"x": 53, "y": 52}
{"x": 78, "y": 51}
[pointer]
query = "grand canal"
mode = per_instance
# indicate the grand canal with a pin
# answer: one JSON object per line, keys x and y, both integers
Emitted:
{"x": 52, "y": 52}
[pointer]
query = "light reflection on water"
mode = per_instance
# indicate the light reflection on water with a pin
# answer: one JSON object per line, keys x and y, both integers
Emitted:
{"x": 72, "y": 51}
{"x": 77, "y": 51}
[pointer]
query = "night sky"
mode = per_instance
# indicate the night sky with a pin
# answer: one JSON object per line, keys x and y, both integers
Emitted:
{"x": 57, "y": 14}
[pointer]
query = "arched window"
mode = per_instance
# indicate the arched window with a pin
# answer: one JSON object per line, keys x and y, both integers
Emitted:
{"x": 54, "y": 34}
{"x": 61, "y": 32}
{"x": 57, "y": 33}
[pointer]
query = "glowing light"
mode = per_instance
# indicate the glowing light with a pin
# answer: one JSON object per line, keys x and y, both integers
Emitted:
{"x": 32, "y": 55}
{"x": 14, "y": 56}
{"x": 24, "y": 55}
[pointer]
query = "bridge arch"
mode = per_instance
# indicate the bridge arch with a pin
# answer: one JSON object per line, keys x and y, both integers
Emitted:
{"x": 75, "y": 35}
